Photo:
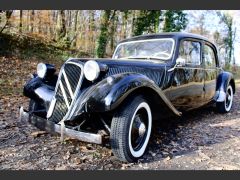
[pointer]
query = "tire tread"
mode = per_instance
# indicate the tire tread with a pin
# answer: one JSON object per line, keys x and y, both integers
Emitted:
{"x": 119, "y": 127}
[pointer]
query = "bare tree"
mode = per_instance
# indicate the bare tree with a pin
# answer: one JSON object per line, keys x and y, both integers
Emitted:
{"x": 8, "y": 16}
{"x": 20, "y": 21}
{"x": 61, "y": 24}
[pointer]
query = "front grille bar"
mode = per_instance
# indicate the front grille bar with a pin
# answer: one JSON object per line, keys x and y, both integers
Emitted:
{"x": 68, "y": 84}
{"x": 64, "y": 95}
{"x": 68, "y": 87}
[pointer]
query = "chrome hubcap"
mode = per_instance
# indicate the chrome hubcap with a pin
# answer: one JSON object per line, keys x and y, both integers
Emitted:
{"x": 229, "y": 98}
{"x": 139, "y": 129}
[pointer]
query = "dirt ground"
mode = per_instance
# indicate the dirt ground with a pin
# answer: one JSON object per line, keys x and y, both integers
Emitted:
{"x": 201, "y": 139}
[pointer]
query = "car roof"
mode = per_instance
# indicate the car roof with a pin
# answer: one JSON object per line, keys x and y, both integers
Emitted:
{"x": 176, "y": 35}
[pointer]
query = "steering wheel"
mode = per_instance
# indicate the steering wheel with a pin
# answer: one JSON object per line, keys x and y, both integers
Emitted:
{"x": 162, "y": 53}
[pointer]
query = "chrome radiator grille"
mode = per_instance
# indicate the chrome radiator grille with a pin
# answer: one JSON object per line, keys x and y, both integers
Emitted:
{"x": 68, "y": 85}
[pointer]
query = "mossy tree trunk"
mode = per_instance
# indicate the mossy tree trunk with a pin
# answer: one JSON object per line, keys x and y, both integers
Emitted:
{"x": 146, "y": 22}
{"x": 104, "y": 33}
{"x": 227, "y": 20}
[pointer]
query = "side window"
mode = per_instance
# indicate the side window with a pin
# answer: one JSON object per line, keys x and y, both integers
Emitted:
{"x": 209, "y": 57}
{"x": 191, "y": 52}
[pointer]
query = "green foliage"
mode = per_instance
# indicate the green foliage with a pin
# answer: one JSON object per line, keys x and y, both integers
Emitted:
{"x": 175, "y": 20}
{"x": 147, "y": 21}
{"x": 227, "y": 20}
{"x": 63, "y": 43}
{"x": 103, "y": 37}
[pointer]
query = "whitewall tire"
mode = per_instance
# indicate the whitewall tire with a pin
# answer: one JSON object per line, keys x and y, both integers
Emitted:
{"x": 131, "y": 130}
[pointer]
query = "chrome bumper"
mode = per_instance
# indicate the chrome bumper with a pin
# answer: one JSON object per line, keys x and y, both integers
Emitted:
{"x": 51, "y": 127}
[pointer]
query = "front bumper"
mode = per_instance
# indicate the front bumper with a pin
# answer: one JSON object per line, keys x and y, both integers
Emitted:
{"x": 52, "y": 127}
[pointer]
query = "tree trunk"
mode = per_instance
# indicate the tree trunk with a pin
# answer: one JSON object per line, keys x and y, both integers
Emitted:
{"x": 32, "y": 14}
{"x": 112, "y": 31}
{"x": 124, "y": 24}
{"x": 8, "y": 16}
{"x": 20, "y": 21}
{"x": 103, "y": 37}
{"x": 92, "y": 30}
{"x": 75, "y": 25}
{"x": 61, "y": 25}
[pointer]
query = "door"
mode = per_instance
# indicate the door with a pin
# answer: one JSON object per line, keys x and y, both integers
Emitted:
{"x": 209, "y": 59}
{"x": 188, "y": 81}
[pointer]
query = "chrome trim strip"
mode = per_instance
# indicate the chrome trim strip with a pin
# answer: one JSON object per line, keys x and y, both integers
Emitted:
{"x": 82, "y": 136}
{"x": 50, "y": 110}
{"x": 68, "y": 84}
{"x": 200, "y": 68}
{"x": 64, "y": 95}
{"x": 51, "y": 107}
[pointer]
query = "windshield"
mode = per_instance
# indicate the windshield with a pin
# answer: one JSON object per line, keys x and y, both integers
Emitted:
{"x": 161, "y": 49}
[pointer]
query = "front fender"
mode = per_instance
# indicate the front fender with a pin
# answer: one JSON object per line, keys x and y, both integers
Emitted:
{"x": 223, "y": 80}
{"x": 110, "y": 92}
{"x": 39, "y": 90}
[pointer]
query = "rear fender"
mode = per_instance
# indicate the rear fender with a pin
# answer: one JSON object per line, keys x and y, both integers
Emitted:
{"x": 222, "y": 82}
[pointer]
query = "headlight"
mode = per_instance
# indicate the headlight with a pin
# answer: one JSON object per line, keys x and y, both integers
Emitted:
{"x": 91, "y": 70}
{"x": 41, "y": 70}
{"x": 45, "y": 70}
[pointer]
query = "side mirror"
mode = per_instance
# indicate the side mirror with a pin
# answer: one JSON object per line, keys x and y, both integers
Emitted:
{"x": 180, "y": 62}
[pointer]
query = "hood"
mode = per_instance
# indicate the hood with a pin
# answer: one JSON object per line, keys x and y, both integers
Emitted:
{"x": 153, "y": 69}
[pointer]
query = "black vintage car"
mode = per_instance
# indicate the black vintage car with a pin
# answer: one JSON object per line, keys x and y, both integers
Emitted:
{"x": 148, "y": 77}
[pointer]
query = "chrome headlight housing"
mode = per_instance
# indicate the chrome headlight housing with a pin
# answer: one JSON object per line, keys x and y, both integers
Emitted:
{"x": 41, "y": 70}
{"x": 45, "y": 70}
{"x": 91, "y": 70}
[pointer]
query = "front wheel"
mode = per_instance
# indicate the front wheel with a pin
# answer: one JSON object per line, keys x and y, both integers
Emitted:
{"x": 131, "y": 129}
{"x": 226, "y": 105}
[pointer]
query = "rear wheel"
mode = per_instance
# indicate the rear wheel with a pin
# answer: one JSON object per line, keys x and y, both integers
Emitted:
{"x": 226, "y": 105}
{"x": 131, "y": 129}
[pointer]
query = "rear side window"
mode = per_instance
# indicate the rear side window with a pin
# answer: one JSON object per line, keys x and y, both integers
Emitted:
{"x": 191, "y": 52}
{"x": 209, "y": 57}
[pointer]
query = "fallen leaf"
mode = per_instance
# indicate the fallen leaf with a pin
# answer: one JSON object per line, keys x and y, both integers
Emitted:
{"x": 38, "y": 133}
{"x": 203, "y": 156}
{"x": 166, "y": 159}
{"x": 77, "y": 160}
{"x": 61, "y": 168}
{"x": 66, "y": 156}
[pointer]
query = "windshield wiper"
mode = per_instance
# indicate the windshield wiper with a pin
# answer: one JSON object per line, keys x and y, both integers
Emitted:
{"x": 144, "y": 57}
